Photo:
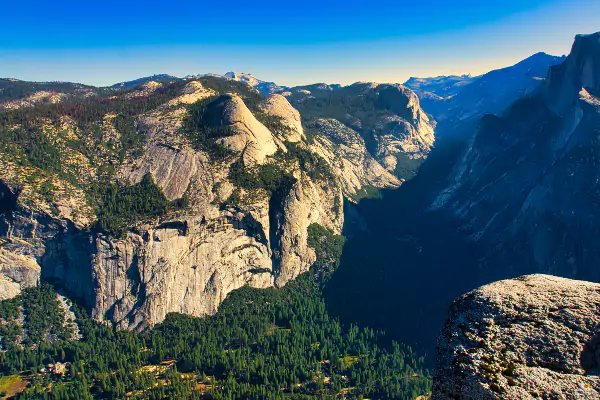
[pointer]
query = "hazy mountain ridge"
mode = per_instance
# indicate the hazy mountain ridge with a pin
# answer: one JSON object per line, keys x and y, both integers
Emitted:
{"x": 528, "y": 180}
{"x": 472, "y": 97}
{"x": 439, "y": 86}
{"x": 141, "y": 81}
{"x": 493, "y": 92}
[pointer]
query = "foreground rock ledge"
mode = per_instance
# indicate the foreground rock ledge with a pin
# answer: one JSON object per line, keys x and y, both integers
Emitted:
{"x": 537, "y": 336}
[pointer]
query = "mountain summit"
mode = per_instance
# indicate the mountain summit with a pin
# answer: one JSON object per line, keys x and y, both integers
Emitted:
{"x": 265, "y": 88}
{"x": 146, "y": 79}
{"x": 496, "y": 90}
{"x": 528, "y": 182}
{"x": 580, "y": 72}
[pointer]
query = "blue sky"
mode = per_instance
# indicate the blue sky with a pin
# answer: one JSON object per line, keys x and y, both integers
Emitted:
{"x": 290, "y": 43}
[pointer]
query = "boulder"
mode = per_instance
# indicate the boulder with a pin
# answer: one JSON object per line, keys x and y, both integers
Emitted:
{"x": 537, "y": 336}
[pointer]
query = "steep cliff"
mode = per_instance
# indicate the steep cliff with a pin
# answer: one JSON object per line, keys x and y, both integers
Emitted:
{"x": 388, "y": 117}
{"x": 168, "y": 196}
{"x": 525, "y": 338}
{"x": 347, "y": 154}
{"x": 527, "y": 184}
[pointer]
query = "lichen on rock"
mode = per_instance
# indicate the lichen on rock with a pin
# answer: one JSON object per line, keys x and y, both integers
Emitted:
{"x": 537, "y": 336}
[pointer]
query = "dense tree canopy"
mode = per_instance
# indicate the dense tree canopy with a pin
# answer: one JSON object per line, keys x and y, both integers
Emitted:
{"x": 262, "y": 344}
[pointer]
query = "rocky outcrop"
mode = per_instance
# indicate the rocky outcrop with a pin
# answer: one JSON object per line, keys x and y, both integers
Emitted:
{"x": 248, "y": 135}
{"x": 17, "y": 271}
{"x": 41, "y": 97}
{"x": 537, "y": 336}
{"x": 265, "y": 88}
{"x": 278, "y": 106}
{"x": 346, "y": 152}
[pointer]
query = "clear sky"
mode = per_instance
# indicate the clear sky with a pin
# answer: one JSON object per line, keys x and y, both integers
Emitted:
{"x": 289, "y": 42}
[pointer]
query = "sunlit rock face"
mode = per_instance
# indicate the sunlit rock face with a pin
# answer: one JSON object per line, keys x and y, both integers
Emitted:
{"x": 527, "y": 338}
{"x": 227, "y": 234}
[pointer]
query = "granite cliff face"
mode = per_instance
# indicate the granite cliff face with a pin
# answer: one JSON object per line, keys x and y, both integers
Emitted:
{"x": 527, "y": 183}
{"x": 532, "y": 337}
{"x": 249, "y": 136}
{"x": 278, "y": 106}
{"x": 388, "y": 118}
{"x": 242, "y": 180}
{"x": 348, "y": 156}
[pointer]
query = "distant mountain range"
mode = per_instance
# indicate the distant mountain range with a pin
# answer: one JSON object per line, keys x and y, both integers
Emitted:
{"x": 146, "y": 79}
{"x": 458, "y": 102}
{"x": 454, "y": 97}
{"x": 461, "y": 97}
{"x": 528, "y": 180}
{"x": 441, "y": 87}
{"x": 265, "y": 88}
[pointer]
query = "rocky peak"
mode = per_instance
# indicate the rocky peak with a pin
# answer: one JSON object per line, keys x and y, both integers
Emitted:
{"x": 580, "y": 71}
{"x": 278, "y": 106}
{"x": 532, "y": 337}
{"x": 248, "y": 135}
{"x": 242, "y": 77}
{"x": 265, "y": 88}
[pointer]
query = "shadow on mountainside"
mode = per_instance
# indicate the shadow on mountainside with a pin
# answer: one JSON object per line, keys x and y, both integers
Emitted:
{"x": 403, "y": 266}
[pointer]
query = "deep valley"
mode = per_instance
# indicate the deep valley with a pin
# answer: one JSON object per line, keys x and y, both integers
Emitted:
{"x": 223, "y": 237}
